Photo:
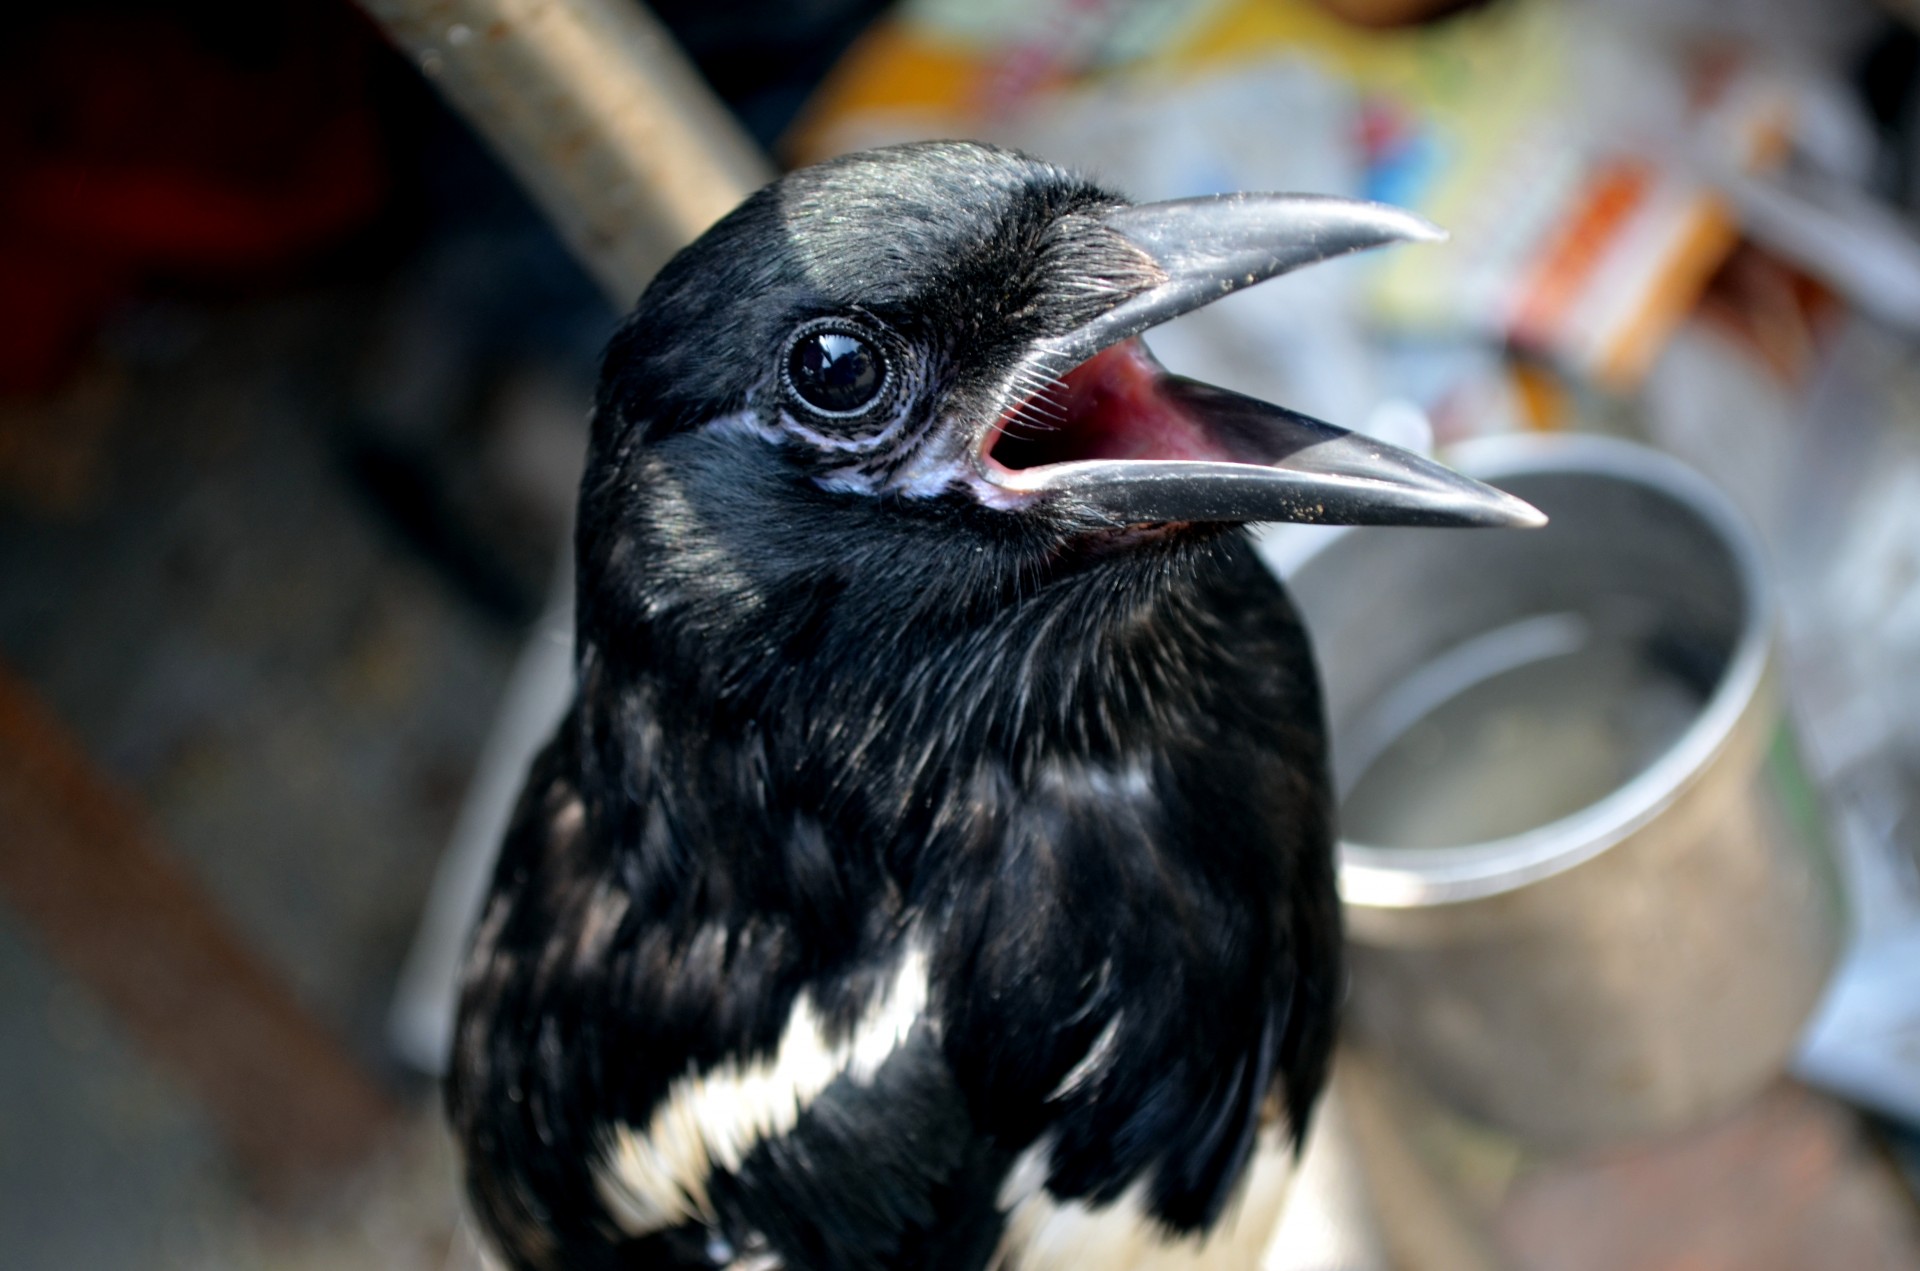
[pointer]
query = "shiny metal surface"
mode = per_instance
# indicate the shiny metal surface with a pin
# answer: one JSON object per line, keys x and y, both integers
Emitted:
{"x": 1642, "y": 963}
{"x": 601, "y": 116}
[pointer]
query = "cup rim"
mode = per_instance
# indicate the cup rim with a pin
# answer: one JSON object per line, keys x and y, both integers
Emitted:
{"x": 1403, "y": 878}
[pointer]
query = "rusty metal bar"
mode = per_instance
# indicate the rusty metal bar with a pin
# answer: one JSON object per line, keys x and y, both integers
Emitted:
{"x": 79, "y": 863}
{"x": 597, "y": 112}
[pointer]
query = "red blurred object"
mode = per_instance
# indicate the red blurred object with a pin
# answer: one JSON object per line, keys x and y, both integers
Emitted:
{"x": 131, "y": 150}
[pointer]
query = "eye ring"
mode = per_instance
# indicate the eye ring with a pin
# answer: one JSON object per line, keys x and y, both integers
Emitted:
{"x": 836, "y": 370}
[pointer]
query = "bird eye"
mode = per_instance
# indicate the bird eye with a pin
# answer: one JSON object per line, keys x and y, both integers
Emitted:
{"x": 836, "y": 372}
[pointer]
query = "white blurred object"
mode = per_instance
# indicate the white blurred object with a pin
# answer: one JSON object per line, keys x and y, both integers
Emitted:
{"x": 1863, "y": 1045}
{"x": 1328, "y": 1223}
{"x": 1820, "y": 31}
{"x": 420, "y": 1019}
{"x": 1299, "y": 340}
{"x": 1402, "y": 423}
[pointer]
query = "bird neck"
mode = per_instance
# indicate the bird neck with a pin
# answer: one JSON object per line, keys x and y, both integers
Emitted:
{"x": 845, "y": 664}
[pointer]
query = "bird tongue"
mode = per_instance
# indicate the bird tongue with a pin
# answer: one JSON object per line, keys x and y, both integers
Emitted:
{"x": 1121, "y": 404}
{"x": 1118, "y": 405}
{"x": 1121, "y": 433}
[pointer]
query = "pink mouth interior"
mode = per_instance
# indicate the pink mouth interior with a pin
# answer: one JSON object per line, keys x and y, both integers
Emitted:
{"x": 1112, "y": 406}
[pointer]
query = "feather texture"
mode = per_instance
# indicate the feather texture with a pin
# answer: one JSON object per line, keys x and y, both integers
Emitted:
{"x": 912, "y": 884}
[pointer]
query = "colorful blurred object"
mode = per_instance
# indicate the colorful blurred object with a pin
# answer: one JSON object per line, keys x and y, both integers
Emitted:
{"x": 1545, "y": 137}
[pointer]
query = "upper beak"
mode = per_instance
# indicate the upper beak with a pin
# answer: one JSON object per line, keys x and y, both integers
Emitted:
{"x": 1142, "y": 445}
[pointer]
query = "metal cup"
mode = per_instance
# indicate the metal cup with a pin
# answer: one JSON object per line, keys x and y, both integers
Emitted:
{"x": 1605, "y": 906}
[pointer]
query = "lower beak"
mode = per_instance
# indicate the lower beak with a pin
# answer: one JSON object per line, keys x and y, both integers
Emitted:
{"x": 1123, "y": 436}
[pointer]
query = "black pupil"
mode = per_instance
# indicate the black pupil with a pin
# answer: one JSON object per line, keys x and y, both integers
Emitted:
{"x": 835, "y": 371}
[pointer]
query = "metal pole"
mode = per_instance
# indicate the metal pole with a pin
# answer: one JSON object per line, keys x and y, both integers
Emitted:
{"x": 597, "y": 112}
{"x": 625, "y": 148}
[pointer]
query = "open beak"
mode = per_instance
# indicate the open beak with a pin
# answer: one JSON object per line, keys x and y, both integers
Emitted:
{"x": 1114, "y": 430}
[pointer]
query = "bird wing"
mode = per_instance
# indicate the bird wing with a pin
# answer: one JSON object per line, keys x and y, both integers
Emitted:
{"x": 689, "y": 1086}
{"x": 1155, "y": 1133}
{"x": 1070, "y": 1040}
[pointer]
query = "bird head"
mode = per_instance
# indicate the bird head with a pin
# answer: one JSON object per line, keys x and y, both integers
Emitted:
{"x": 944, "y": 339}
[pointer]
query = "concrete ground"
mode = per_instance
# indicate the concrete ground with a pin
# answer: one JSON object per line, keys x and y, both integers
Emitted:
{"x": 196, "y": 582}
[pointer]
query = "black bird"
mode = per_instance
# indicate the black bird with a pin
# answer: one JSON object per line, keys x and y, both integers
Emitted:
{"x": 934, "y": 869}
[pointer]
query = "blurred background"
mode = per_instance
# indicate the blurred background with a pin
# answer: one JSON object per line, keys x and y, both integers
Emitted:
{"x": 293, "y": 388}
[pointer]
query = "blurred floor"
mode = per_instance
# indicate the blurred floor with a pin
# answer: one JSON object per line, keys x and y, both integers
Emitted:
{"x": 193, "y": 580}
{"x": 1789, "y": 1183}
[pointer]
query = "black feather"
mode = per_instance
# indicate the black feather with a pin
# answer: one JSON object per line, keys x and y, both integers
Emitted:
{"x": 1084, "y": 765}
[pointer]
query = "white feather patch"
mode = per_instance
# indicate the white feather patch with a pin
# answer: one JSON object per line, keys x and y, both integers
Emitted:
{"x": 657, "y": 1178}
{"x": 1045, "y": 1234}
{"x": 1092, "y": 1064}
